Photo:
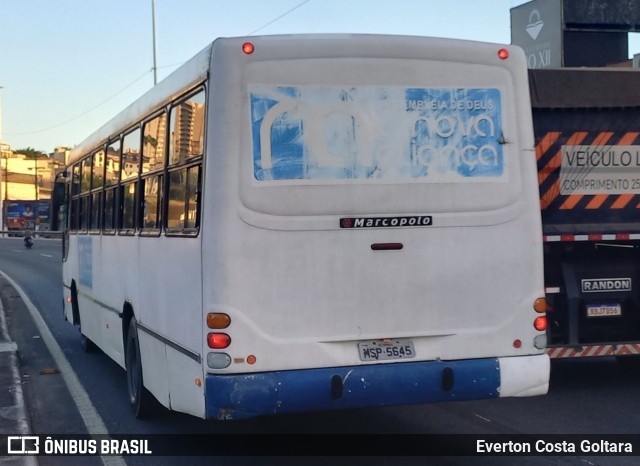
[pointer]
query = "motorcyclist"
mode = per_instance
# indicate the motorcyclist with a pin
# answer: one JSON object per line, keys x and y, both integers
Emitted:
{"x": 28, "y": 238}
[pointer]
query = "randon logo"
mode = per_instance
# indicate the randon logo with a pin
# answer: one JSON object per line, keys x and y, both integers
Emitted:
{"x": 604, "y": 285}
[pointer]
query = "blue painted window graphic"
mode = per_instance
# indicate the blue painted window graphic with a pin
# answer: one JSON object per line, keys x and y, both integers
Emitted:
{"x": 85, "y": 261}
{"x": 434, "y": 135}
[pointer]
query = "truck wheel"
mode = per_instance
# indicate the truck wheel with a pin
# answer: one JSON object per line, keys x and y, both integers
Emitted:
{"x": 141, "y": 400}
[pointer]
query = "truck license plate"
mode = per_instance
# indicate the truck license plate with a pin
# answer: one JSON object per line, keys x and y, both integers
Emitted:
{"x": 604, "y": 310}
{"x": 382, "y": 350}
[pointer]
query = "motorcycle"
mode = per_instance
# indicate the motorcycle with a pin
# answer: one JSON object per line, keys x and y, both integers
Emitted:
{"x": 28, "y": 243}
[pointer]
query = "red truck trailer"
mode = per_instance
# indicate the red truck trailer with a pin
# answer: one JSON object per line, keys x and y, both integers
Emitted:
{"x": 587, "y": 136}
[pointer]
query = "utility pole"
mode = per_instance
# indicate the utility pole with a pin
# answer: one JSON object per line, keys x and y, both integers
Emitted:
{"x": 6, "y": 170}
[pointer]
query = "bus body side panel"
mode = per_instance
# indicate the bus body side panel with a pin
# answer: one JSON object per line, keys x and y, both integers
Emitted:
{"x": 174, "y": 338}
{"x": 95, "y": 283}
{"x": 169, "y": 346}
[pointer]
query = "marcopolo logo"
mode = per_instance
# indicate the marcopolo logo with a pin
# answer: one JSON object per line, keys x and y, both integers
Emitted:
{"x": 603, "y": 285}
{"x": 386, "y": 222}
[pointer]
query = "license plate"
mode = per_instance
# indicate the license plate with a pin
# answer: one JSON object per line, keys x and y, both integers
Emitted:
{"x": 382, "y": 350}
{"x": 604, "y": 310}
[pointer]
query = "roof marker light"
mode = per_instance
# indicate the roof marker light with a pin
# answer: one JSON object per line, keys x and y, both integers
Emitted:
{"x": 503, "y": 54}
{"x": 248, "y": 48}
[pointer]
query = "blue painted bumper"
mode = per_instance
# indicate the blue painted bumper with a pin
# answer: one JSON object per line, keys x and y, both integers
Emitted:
{"x": 246, "y": 395}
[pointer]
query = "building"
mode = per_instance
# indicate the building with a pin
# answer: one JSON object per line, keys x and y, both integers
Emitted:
{"x": 25, "y": 178}
{"x": 576, "y": 33}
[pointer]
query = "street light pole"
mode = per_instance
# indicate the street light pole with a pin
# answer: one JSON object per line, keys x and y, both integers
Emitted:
{"x": 153, "y": 32}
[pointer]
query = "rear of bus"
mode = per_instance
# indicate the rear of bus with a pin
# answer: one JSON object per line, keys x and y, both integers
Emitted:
{"x": 371, "y": 228}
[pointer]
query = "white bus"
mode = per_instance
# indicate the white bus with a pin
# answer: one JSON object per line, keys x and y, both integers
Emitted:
{"x": 297, "y": 223}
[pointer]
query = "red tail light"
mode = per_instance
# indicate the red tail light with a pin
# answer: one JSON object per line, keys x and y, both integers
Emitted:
{"x": 540, "y": 323}
{"x": 218, "y": 340}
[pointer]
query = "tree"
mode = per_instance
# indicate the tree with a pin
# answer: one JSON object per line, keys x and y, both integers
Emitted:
{"x": 31, "y": 153}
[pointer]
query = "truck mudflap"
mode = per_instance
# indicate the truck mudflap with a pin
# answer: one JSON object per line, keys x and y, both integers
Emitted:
{"x": 248, "y": 395}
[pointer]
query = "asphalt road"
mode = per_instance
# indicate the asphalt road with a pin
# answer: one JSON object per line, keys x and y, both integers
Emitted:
{"x": 595, "y": 396}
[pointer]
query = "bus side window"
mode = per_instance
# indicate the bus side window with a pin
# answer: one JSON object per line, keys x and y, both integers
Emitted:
{"x": 97, "y": 180}
{"x": 84, "y": 204}
{"x": 128, "y": 208}
{"x": 73, "y": 215}
{"x": 73, "y": 198}
{"x": 129, "y": 172}
{"x": 83, "y": 213}
{"x": 109, "y": 223}
{"x": 96, "y": 210}
{"x": 183, "y": 213}
{"x": 194, "y": 183}
{"x": 151, "y": 208}
{"x": 153, "y": 143}
{"x": 186, "y": 129}
{"x": 112, "y": 171}
{"x": 186, "y": 151}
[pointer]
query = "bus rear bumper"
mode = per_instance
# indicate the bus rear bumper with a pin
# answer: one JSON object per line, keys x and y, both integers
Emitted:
{"x": 248, "y": 395}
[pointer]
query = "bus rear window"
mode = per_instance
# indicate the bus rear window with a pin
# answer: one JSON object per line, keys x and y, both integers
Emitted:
{"x": 387, "y": 133}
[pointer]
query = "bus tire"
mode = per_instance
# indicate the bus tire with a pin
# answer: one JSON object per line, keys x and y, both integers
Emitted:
{"x": 139, "y": 397}
{"x": 87, "y": 345}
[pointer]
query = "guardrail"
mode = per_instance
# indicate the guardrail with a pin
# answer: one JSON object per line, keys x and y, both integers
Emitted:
{"x": 35, "y": 234}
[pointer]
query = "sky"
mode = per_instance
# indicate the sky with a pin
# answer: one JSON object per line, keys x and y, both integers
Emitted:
{"x": 68, "y": 66}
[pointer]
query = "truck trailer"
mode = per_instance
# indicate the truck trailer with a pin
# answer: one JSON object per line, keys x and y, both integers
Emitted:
{"x": 587, "y": 137}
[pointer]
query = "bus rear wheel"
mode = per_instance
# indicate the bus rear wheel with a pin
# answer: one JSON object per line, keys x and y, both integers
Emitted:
{"x": 139, "y": 397}
{"x": 87, "y": 345}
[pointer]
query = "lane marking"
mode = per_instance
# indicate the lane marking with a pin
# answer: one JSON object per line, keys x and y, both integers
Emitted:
{"x": 90, "y": 416}
{"x": 482, "y": 417}
{"x": 46, "y": 255}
